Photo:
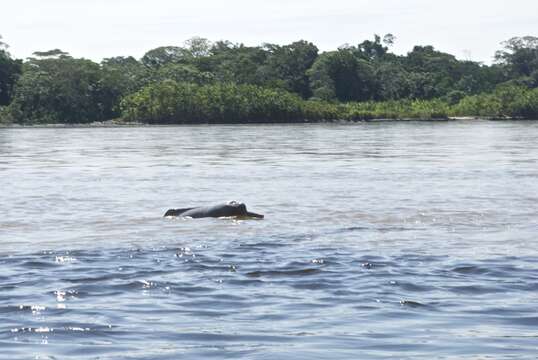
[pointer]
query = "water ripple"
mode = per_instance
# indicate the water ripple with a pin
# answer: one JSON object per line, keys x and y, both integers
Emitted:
{"x": 401, "y": 240}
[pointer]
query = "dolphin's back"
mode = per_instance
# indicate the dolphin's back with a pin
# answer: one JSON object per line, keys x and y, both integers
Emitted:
{"x": 220, "y": 210}
{"x": 232, "y": 208}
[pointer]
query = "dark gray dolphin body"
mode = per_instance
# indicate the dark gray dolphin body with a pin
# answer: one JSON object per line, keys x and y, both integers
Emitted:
{"x": 229, "y": 209}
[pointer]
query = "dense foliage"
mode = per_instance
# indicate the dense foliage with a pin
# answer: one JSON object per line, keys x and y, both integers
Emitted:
{"x": 173, "y": 102}
{"x": 58, "y": 91}
{"x": 222, "y": 82}
{"x": 10, "y": 70}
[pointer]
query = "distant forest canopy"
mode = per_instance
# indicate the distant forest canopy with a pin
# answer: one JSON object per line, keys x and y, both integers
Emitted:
{"x": 224, "y": 82}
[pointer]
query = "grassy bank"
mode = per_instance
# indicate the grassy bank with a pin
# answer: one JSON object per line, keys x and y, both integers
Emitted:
{"x": 171, "y": 102}
{"x": 176, "y": 103}
{"x": 181, "y": 103}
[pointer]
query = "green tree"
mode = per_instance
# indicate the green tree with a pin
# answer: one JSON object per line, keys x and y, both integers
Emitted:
{"x": 288, "y": 66}
{"x": 389, "y": 40}
{"x": 393, "y": 81}
{"x": 120, "y": 76}
{"x": 51, "y": 54}
{"x": 61, "y": 90}
{"x": 520, "y": 55}
{"x": 340, "y": 75}
{"x": 374, "y": 50}
{"x": 183, "y": 73}
{"x": 163, "y": 55}
{"x": 10, "y": 70}
{"x": 198, "y": 47}
{"x": 432, "y": 72}
{"x": 238, "y": 63}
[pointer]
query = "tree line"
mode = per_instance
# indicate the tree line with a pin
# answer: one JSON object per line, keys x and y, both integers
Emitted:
{"x": 225, "y": 82}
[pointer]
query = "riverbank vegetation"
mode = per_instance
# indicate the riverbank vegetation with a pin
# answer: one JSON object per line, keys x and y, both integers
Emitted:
{"x": 223, "y": 82}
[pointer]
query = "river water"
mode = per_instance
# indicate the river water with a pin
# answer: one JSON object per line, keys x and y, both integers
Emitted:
{"x": 380, "y": 240}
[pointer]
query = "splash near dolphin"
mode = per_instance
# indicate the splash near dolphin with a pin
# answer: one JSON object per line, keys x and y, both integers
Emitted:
{"x": 229, "y": 209}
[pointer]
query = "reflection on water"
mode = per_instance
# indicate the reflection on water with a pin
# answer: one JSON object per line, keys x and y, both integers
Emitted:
{"x": 407, "y": 240}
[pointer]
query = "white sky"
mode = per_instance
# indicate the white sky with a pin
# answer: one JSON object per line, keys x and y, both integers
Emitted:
{"x": 103, "y": 28}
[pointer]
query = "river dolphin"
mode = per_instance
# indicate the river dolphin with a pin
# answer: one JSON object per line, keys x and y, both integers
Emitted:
{"x": 229, "y": 209}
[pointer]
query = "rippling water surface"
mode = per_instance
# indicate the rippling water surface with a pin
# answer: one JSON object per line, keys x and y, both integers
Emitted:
{"x": 407, "y": 240}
